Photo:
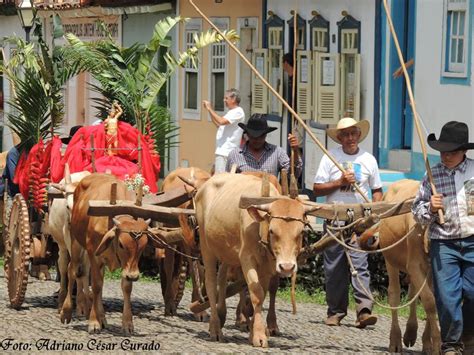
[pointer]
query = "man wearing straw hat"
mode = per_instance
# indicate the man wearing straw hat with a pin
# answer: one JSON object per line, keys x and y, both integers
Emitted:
{"x": 452, "y": 243}
{"x": 360, "y": 168}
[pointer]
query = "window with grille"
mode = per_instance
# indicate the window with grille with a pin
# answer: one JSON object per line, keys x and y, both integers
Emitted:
{"x": 456, "y": 38}
{"x": 218, "y": 62}
{"x": 349, "y": 41}
{"x": 275, "y": 37}
{"x": 191, "y": 73}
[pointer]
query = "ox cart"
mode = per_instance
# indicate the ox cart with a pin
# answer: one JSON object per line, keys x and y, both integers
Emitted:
{"x": 29, "y": 249}
{"x": 358, "y": 216}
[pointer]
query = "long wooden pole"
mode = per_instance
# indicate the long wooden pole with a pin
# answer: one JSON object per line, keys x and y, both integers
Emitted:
{"x": 293, "y": 84}
{"x": 413, "y": 105}
{"x": 274, "y": 92}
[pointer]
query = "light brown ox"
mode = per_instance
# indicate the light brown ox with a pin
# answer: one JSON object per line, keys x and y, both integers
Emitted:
{"x": 231, "y": 235}
{"x": 169, "y": 267}
{"x": 59, "y": 219}
{"x": 117, "y": 246}
{"x": 409, "y": 257}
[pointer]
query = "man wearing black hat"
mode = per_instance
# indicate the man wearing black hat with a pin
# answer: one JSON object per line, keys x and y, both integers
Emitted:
{"x": 452, "y": 243}
{"x": 258, "y": 155}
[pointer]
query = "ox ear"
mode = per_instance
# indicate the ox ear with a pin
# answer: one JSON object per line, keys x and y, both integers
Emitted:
{"x": 105, "y": 242}
{"x": 254, "y": 211}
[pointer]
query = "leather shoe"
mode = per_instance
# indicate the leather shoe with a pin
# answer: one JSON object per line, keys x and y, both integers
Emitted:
{"x": 333, "y": 321}
{"x": 364, "y": 319}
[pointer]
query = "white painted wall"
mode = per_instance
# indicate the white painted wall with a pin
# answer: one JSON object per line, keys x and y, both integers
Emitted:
{"x": 9, "y": 26}
{"x": 437, "y": 103}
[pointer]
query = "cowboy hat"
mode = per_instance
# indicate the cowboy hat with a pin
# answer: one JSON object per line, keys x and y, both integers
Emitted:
{"x": 454, "y": 136}
{"x": 72, "y": 131}
{"x": 257, "y": 125}
{"x": 347, "y": 122}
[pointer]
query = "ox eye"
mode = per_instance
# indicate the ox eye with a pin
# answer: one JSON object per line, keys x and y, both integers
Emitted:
{"x": 270, "y": 231}
{"x": 120, "y": 245}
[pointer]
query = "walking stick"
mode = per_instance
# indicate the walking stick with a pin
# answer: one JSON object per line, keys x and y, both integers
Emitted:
{"x": 413, "y": 106}
{"x": 274, "y": 92}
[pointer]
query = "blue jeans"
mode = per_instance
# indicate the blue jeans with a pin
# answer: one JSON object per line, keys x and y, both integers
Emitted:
{"x": 452, "y": 262}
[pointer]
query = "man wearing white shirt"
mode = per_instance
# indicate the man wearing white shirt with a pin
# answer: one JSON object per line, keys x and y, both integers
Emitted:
{"x": 229, "y": 134}
{"x": 360, "y": 168}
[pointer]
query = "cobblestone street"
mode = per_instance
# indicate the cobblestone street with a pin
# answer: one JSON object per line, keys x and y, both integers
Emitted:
{"x": 37, "y": 325}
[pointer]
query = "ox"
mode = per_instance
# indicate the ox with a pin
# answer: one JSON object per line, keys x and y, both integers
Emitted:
{"x": 409, "y": 257}
{"x": 169, "y": 273}
{"x": 58, "y": 227}
{"x": 231, "y": 236}
{"x": 117, "y": 246}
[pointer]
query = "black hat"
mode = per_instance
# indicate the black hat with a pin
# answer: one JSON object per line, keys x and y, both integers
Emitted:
{"x": 257, "y": 125}
{"x": 72, "y": 131}
{"x": 454, "y": 136}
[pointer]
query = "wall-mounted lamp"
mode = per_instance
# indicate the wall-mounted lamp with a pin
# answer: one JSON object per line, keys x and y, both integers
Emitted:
{"x": 26, "y": 14}
{"x": 246, "y": 22}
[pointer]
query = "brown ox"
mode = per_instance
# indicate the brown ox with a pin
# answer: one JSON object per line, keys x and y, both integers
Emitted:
{"x": 169, "y": 268}
{"x": 409, "y": 257}
{"x": 231, "y": 235}
{"x": 120, "y": 246}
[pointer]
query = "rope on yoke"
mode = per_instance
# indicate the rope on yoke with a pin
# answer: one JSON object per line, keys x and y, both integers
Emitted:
{"x": 331, "y": 234}
{"x": 167, "y": 246}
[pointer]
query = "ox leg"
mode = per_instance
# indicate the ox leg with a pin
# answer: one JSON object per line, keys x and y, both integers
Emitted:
{"x": 271, "y": 316}
{"x": 66, "y": 310}
{"x": 418, "y": 272}
{"x": 395, "y": 345}
{"x": 221, "y": 294}
{"x": 210, "y": 265}
{"x": 257, "y": 289}
{"x": 196, "y": 295}
{"x": 83, "y": 298}
{"x": 63, "y": 262}
{"x": 96, "y": 316}
{"x": 127, "y": 321}
{"x": 170, "y": 307}
{"x": 409, "y": 337}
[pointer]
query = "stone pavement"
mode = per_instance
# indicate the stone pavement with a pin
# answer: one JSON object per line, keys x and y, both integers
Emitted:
{"x": 37, "y": 327}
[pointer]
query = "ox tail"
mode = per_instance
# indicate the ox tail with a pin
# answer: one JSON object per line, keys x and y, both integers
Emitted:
{"x": 369, "y": 240}
{"x": 293, "y": 292}
{"x": 183, "y": 273}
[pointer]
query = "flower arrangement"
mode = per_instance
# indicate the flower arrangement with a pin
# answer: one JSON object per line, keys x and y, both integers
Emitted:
{"x": 134, "y": 181}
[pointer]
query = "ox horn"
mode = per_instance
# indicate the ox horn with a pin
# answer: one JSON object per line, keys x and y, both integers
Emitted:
{"x": 309, "y": 209}
{"x": 67, "y": 174}
{"x": 106, "y": 240}
{"x": 116, "y": 221}
{"x": 293, "y": 187}
{"x": 187, "y": 181}
{"x": 57, "y": 186}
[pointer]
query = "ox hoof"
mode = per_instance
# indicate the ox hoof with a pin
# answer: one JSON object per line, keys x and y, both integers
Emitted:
{"x": 65, "y": 315}
{"x": 215, "y": 332}
{"x": 409, "y": 338}
{"x": 95, "y": 327}
{"x": 395, "y": 348}
{"x": 243, "y": 325}
{"x": 273, "y": 330}
{"x": 201, "y": 316}
{"x": 127, "y": 328}
{"x": 259, "y": 340}
{"x": 170, "y": 311}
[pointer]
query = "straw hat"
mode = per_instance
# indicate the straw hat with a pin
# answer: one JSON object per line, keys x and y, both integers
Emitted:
{"x": 347, "y": 122}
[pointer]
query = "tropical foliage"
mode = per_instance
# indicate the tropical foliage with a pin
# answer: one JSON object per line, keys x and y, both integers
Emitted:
{"x": 38, "y": 74}
{"x": 134, "y": 78}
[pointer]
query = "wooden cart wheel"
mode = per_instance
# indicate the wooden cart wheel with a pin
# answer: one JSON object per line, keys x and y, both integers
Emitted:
{"x": 17, "y": 251}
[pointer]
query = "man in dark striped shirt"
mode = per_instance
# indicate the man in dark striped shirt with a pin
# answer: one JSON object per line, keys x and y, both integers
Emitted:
{"x": 258, "y": 155}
